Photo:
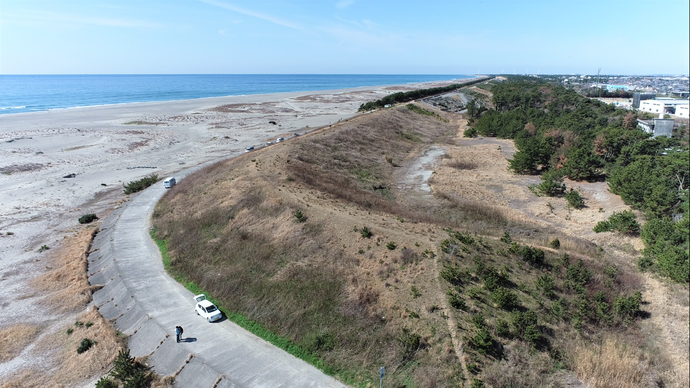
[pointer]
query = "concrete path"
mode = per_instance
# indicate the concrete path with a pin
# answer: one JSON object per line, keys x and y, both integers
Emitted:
{"x": 146, "y": 304}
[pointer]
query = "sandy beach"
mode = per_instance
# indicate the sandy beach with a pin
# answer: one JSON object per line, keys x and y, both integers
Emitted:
{"x": 58, "y": 165}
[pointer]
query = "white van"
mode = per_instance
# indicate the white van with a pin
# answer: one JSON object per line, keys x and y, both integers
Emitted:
{"x": 170, "y": 182}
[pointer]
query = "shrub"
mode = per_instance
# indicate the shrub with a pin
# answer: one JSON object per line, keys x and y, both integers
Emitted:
{"x": 506, "y": 238}
{"x": 628, "y": 307}
{"x": 78, "y": 323}
{"x": 70, "y": 331}
{"x": 409, "y": 343}
{"x": 574, "y": 199}
{"x": 105, "y": 382}
{"x": 482, "y": 341}
{"x": 551, "y": 183}
{"x": 43, "y": 248}
{"x": 602, "y": 226}
{"x": 452, "y": 275}
{"x": 624, "y": 222}
{"x": 299, "y": 216}
{"x": 88, "y": 324}
{"x": 457, "y": 302}
{"x": 478, "y": 320}
{"x": 546, "y": 284}
{"x": 577, "y": 276}
{"x": 505, "y": 299}
{"x": 493, "y": 279}
{"x": 555, "y": 243}
{"x": 502, "y": 328}
{"x": 531, "y": 255}
{"x": 141, "y": 184}
{"x": 415, "y": 292}
{"x": 522, "y": 320}
{"x": 365, "y": 232}
{"x": 391, "y": 245}
{"x": 87, "y": 218}
{"x": 532, "y": 334}
{"x": 85, "y": 345}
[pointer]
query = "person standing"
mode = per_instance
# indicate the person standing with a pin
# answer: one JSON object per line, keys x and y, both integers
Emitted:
{"x": 178, "y": 333}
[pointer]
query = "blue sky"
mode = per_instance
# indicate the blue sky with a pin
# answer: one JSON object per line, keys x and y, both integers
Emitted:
{"x": 343, "y": 37}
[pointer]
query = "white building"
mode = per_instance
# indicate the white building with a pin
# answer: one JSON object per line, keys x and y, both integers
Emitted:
{"x": 682, "y": 111}
{"x": 662, "y": 105}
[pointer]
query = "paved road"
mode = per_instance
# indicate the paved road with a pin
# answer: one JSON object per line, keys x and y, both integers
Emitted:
{"x": 147, "y": 304}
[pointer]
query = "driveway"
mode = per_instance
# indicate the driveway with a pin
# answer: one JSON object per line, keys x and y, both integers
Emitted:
{"x": 146, "y": 304}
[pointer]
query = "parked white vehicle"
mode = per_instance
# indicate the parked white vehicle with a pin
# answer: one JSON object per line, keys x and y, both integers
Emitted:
{"x": 207, "y": 309}
{"x": 169, "y": 183}
{"x": 278, "y": 140}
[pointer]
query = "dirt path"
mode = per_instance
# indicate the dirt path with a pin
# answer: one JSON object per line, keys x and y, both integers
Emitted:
{"x": 668, "y": 324}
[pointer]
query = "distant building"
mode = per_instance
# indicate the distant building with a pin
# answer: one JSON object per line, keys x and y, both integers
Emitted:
{"x": 662, "y": 105}
{"x": 613, "y": 88}
{"x": 637, "y": 97}
{"x": 657, "y": 127}
{"x": 682, "y": 111}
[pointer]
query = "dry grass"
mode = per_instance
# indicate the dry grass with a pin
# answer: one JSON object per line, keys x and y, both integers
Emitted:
{"x": 68, "y": 291}
{"x": 612, "y": 364}
{"x": 232, "y": 231}
{"x": 68, "y": 368}
{"x": 68, "y": 285}
{"x": 15, "y": 338}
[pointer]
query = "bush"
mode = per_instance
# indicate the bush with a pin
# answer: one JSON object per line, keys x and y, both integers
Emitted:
{"x": 555, "y": 243}
{"x": 85, "y": 345}
{"x": 87, "y": 218}
{"x": 493, "y": 279}
{"x": 391, "y": 245}
{"x": 502, "y": 328}
{"x": 551, "y": 184}
{"x": 299, "y": 216}
{"x": 478, "y": 320}
{"x": 457, "y": 302}
{"x": 624, "y": 222}
{"x": 105, "y": 382}
{"x": 546, "y": 284}
{"x": 506, "y": 238}
{"x": 452, "y": 275}
{"x": 141, "y": 184}
{"x": 534, "y": 256}
{"x": 365, "y": 232}
{"x": 409, "y": 343}
{"x": 523, "y": 320}
{"x": 482, "y": 341}
{"x": 628, "y": 307}
{"x": 505, "y": 299}
{"x": 574, "y": 199}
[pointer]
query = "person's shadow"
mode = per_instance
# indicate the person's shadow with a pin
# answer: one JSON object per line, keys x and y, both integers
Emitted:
{"x": 190, "y": 339}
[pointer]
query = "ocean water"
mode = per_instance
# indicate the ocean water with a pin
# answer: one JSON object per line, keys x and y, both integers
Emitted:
{"x": 30, "y": 93}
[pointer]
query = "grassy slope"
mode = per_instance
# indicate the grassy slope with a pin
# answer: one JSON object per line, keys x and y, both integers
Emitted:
{"x": 349, "y": 301}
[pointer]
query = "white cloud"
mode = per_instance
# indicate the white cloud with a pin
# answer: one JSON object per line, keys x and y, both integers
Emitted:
{"x": 255, "y": 14}
{"x": 82, "y": 19}
{"x": 344, "y": 3}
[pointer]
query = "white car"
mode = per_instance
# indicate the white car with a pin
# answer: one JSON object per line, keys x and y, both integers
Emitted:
{"x": 278, "y": 140}
{"x": 248, "y": 149}
{"x": 207, "y": 309}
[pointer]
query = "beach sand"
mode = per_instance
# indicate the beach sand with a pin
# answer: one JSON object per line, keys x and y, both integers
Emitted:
{"x": 106, "y": 146}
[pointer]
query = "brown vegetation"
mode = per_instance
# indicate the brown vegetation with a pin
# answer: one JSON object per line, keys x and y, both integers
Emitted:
{"x": 68, "y": 290}
{"x": 357, "y": 304}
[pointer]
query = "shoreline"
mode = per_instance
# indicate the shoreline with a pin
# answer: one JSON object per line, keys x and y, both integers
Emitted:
{"x": 346, "y": 89}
